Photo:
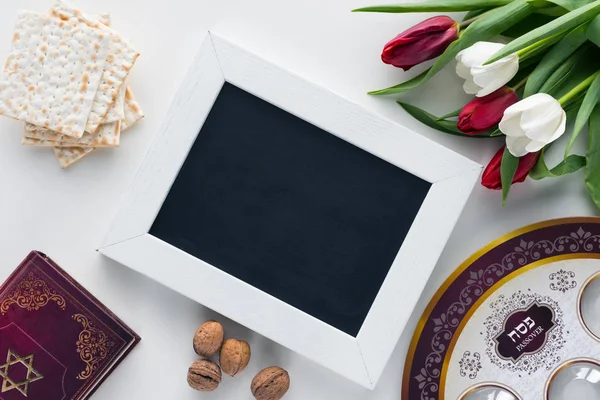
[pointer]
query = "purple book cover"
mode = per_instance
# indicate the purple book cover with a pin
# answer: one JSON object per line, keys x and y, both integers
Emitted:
{"x": 57, "y": 341}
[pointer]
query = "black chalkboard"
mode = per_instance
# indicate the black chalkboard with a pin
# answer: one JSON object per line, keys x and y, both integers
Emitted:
{"x": 290, "y": 209}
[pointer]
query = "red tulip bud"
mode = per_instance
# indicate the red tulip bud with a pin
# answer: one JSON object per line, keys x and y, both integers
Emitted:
{"x": 420, "y": 43}
{"x": 483, "y": 113}
{"x": 491, "y": 176}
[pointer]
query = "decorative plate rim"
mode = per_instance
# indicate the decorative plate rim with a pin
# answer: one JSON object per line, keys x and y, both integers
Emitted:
{"x": 427, "y": 314}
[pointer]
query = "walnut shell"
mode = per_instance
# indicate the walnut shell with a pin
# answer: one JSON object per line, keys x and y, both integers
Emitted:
{"x": 234, "y": 357}
{"x": 270, "y": 384}
{"x": 204, "y": 375}
{"x": 208, "y": 338}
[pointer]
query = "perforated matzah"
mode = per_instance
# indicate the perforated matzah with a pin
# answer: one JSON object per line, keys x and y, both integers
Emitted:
{"x": 133, "y": 111}
{"x": 101, "y": 138}
{"x": 119, "y": 61}
{"x": 52, "y": 73}
{"x": 46, "y": 143}
{"x": 133, "y": 114}
{"x": 68, "y": 156}
{"x": 116, "y": 112}
{"x": 107, "y": 135}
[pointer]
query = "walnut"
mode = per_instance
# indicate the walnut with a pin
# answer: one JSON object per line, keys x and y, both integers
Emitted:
{"x": 204, "y": 375}
{"x": 208, "y": 338}
{"x": 234, "y": 357}
{"x": 270, "y": 384}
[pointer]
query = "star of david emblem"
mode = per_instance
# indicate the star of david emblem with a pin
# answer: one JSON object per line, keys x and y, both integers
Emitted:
{"x": 23, "y": 386}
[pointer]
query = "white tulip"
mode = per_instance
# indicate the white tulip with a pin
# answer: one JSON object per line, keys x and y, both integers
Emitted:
{"x": 485, "y": 79}
{"x": 532, "y": 123}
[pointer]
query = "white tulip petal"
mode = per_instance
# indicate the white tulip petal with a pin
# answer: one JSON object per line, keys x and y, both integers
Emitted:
{"x": 485, "y": 79}
{"x": 536, "y": 116}
{"x": 539, "y": 100}
{"x": 469, "y": 58}
{"x": 500, "y": 63}
{"x": 513, "y": 111}
{"x": 543, "y": 120}
{"x": 488, "y": 48}
{"x": 523, "y": 105}
{"x": 493, "y": 79}
{"x": 517, "y": 146}
{"x": 549, "y": 133}
{"x": 534, "y": 147}
{"x": 479, "y": 53}
{"x": 511, "y": 126}
{"x": 562, "y": 127}
{"x": 533, "y": 123}
{"x": 470, "y": 87}
{"x": 544, "y": 130}
{"x": 463, "y": 71}
{"x": 541, "y": 104}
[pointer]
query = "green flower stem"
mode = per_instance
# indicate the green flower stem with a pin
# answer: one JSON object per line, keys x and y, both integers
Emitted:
{"x": 542, "y": 44}
{"x": 520, "y": 84}
{"x": 577, "y": 90}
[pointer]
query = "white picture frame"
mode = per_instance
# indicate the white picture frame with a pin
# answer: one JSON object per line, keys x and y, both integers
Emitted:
{"x": 361, "y": 359}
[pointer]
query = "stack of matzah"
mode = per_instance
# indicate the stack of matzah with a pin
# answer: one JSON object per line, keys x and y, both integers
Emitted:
{"x": 65, "y": 78}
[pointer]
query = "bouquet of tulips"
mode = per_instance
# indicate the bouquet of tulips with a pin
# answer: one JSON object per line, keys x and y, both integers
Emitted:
{"x": 526, "y": 91}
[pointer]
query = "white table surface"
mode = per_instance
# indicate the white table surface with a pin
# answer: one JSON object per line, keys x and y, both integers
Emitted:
{"x": 67, "y": 213}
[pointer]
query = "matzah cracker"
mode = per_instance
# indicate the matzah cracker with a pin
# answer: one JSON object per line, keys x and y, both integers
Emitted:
{"x": 68, "y": 156}
{"x": 133, "y": 111}
{"x": 107, "y": 135}
{"x": 119, "y": 61}
{"x": 44, "y": 143}
{"x": 116, "y": 112}
{"x": 53, "y": 72}
{"x": 101, "y": 138}
{"x": 103, "y": 18}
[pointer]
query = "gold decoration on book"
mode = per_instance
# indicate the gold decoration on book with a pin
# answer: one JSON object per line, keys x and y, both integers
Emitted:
{"x": 32, "y": 293}
{"x": 93, "y": 346}
{"x": 9, "y": 384}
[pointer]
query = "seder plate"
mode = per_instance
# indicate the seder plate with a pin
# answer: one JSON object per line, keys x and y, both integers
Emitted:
{"x": 518, "y": 320}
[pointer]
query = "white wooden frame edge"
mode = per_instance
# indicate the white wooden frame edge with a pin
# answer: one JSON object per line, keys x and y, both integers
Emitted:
{"x": 361, "y": 359}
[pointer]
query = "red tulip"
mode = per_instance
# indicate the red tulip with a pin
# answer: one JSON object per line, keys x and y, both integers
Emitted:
{"x": 491, "y": 176}
{"x": 483, "y": 113}
{"x": 420, "y": 43}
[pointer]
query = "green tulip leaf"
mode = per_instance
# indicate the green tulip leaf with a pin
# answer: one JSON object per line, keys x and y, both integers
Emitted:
{"x": 434, "y": 122}
{"x": 587, "y": 107}
{"x": 572, "y": 109}
{"x": 569, "y": 165}
{"x": 406, "y": 86}
{"x": 592, "y": 172}
{"x": 508, "y": 169}
{"x": 531, "y": 22}
{"x": 540, "y": 47}
{"x": 475, "y": 13}
{"x": 576, "y": 69}
{"x": 593, "y": 31}
{"x": 571, "y": 4}
{"x": 554, "y": 58}
{"x": 450, "y": 115}
{"x": 435, "y": 6}
{"x": 561, "y": 24}
{"x": 490, "y": 25}
{"x": 561, "y": 74}
{"x": 556, "y": 11}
